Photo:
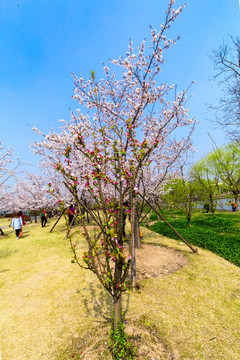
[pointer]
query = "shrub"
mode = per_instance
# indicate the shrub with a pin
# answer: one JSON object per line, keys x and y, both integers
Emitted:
{"x": 153, "y": 216}
{"x": 118, "y": 344}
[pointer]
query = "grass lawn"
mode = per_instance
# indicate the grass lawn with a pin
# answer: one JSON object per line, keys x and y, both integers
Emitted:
{"x": 219, "y": 234}
{"x": 48, "y": 303}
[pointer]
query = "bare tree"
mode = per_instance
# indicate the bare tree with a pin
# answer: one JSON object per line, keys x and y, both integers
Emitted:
{"x": 227, "y": 66}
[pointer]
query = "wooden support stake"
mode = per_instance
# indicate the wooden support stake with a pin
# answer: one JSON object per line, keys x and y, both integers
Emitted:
{"x": 56, "y": 222}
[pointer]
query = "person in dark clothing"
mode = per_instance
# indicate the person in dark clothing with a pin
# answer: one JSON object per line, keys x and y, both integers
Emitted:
{"x": 43, "y": 217}
{"x": 71, "y": 214}
{"x": 233, "y": 205}
{"x": 22, "y": 216}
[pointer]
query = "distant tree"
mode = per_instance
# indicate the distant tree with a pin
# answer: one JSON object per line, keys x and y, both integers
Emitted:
{"x": 227, "y": 65}
{"x": 208, "y": 184}
{"x": 182, "y": 192}
{"x": 224, "y": 165}
{"x": 8, "y": 168}
{"x": 6, "y": 158}
{"x": 33, "y": 193}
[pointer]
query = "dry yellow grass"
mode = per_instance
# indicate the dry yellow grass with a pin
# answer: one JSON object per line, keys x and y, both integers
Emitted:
{"x": 46, "y": 301}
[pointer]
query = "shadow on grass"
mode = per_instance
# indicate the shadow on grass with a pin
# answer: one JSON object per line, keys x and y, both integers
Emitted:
{"x": 24, "y": 236}
{"x": 100, "y": 304}
{"x": 4, "y": 270}
{"x": 6, "y": 253}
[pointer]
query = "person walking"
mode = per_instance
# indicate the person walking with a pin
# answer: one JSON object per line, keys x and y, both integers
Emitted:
{"x": 17, "y": 224}
{"x": 23, "y": 221}
{"x": 43, "y": 217}
{"x": 234, "y": 206}
{"x": 23, "y": 217}
{"x": 71, "y": 215}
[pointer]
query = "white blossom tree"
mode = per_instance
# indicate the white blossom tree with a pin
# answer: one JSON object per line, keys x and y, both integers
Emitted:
{"x": 119, "y": 147}
{"x": 8, "y": 168}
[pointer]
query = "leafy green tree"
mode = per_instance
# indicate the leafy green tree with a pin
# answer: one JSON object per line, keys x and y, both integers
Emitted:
{"x": 208, "y": 185}
{"x": 224, "y": 165}
{"x": 182, "y": 193}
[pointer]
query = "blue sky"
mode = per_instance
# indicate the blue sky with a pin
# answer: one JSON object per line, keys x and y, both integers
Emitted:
{"x": 42, "y": 42}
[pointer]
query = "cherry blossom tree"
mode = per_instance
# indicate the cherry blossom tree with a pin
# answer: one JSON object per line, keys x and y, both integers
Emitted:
{"x": 31, "y": 193}
{"x": 8, "y": 168}
{"x": 51, "y": 151}
{"x": 6, "y": 158}
{"x": 119, "y": 147}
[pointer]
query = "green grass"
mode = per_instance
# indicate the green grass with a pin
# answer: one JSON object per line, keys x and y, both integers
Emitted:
{"x": 48, "y": 304}
{"x": 219, "y": 234}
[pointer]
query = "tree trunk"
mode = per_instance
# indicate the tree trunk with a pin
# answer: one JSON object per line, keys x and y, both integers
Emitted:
{"x": 117, "y": 311}
{"x": 117, "y": 298}
{"x": 83, "y": 210}
{"x": 133, "y": 266}
{"x": 88, "y": 218}
{"x": 212, "y": 209}
{"x": 188, "y": 207}
{"x": 133, "y": 243}
{"x": 1, "y": 232}
{"x": 189, "y": 219}
{"x": 133, "y": 255}
{"x": 137, "y": 231}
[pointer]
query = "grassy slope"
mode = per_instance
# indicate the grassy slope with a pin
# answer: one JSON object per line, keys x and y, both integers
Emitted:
{"x": 219, "y": 234}
{"x": 46, "y": 300}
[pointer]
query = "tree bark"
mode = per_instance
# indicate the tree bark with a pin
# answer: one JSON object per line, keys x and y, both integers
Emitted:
{"x": 117, "y": 298}
{"x": 1, "y": 232}
{"x": 132, "y": 244}
{"x": 117, "y": 311}
{"x": 88, "y": 218}
{"x": 189, "y": 219}
{"x": 137, "y": 231}
{"x": 84, "y": 210}
{"x": 212, "y": 205}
